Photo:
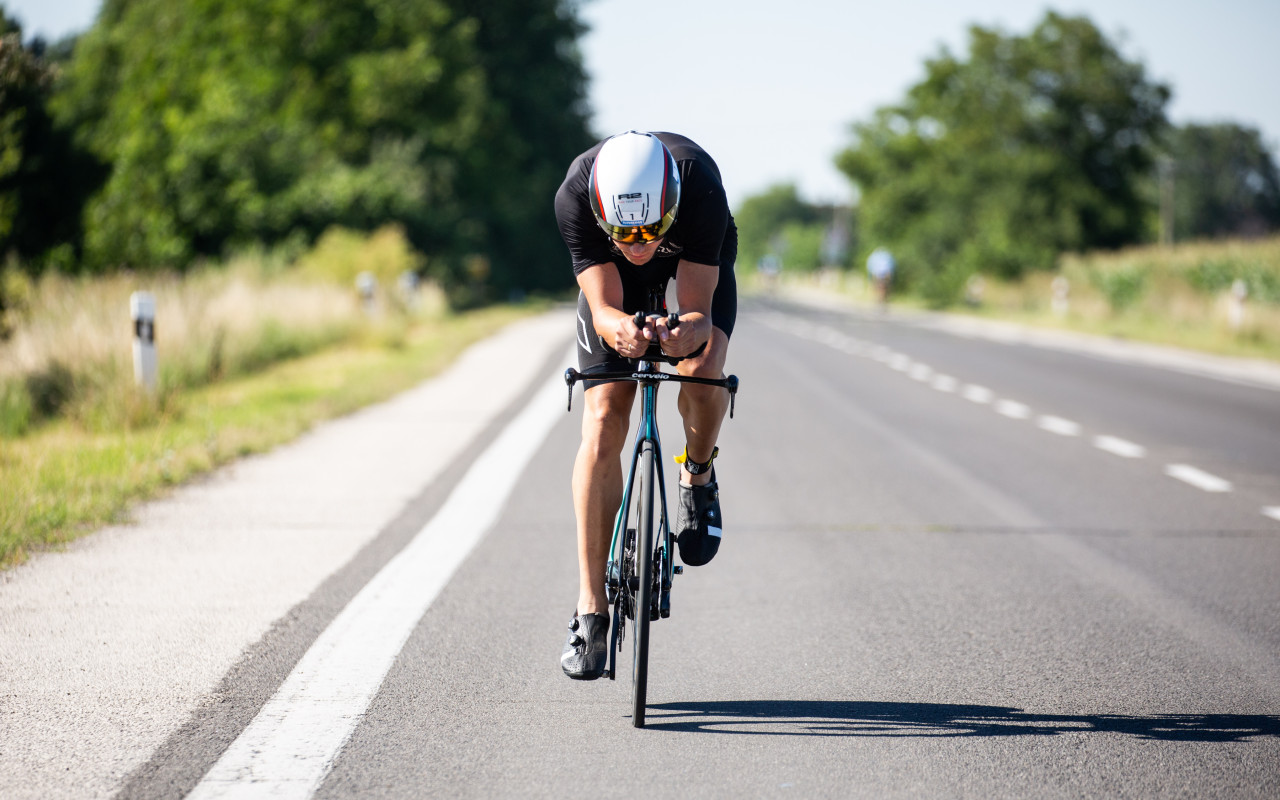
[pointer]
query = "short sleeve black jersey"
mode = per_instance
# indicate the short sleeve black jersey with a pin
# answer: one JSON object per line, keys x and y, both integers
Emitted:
{"x": 699, "y": 232}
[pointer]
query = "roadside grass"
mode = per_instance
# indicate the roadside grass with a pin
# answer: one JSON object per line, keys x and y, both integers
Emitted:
{"x": 69, "y": 354}
{"x": 64, "y": 478}
{"x": 1180, "y": 296}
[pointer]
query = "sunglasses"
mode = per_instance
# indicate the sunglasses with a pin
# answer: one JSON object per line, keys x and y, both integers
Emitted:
{"x": 642, "y": 234}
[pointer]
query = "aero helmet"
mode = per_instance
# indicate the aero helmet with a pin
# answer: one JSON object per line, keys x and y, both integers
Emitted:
{"x": 634, "y": 188}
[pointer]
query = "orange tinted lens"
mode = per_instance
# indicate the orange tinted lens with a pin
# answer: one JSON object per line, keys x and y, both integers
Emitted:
{"x": 643, "y": 234}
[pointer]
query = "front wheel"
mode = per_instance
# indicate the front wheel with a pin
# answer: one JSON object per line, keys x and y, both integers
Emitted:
{"x": 644, "y": 586}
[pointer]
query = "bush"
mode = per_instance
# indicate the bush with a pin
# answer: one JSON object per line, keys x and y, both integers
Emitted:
{"x": 50, "y": 389}
{"x": 15, "y": 409}
{"x": 1122, "y": 287}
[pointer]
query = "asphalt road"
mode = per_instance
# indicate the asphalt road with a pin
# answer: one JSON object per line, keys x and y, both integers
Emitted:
{"x": 924, "y": 589}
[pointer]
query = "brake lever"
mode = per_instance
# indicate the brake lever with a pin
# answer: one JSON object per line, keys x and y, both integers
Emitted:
{"x": 571, "y": 376}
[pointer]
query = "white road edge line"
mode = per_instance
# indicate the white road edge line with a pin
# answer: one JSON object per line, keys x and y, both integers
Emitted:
{"x": 1197, "y": 478}
{"x": 1119, "y": 447}
{"x": 289, "y": 747}
{"x": 1272, "y": 511}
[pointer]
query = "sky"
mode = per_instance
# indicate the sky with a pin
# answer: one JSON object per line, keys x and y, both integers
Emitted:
{"x": 771, "y": 89}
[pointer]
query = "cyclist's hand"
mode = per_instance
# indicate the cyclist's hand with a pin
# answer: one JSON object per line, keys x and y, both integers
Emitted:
{"x": 630, "y": 340}
{"x": 689, "y": 335}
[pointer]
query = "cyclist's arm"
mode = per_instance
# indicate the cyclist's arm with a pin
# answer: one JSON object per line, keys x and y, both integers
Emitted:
{"x": 695, "y": 285}
{"x": 602, "y": 286}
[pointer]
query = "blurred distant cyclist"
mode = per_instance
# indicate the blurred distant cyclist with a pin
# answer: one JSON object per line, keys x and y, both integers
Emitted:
{"x": 635, "y": 211}
{"x": 880, "y": 267}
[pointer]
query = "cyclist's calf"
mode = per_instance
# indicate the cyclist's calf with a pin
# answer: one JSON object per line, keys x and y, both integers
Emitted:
{"x": 704, "y": 407}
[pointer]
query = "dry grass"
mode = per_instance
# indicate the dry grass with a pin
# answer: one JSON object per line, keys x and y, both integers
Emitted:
{"x": 71, "y": 352}
{"x": 1181, "y": 295}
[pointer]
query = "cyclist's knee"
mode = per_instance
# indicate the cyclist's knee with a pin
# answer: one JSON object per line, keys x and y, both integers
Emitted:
{"x": 606, "y": 417}
{"x": 710, "y": 364}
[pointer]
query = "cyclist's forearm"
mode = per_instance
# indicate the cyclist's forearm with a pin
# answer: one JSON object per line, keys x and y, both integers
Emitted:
{"x": 606, "y": 320}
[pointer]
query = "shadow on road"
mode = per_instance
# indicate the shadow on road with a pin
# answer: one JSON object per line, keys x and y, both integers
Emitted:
{"x": 845, "y": 718}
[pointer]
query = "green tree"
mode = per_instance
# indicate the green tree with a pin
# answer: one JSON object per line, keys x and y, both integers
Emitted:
{"x": 532, "y": 126}
{"x": 239, "y": 121}
{"x": 997, "y": 162}
{"x": 780, "y": 223}
{"x": 43, "y": 178}
{"x": 1226, "y": 182}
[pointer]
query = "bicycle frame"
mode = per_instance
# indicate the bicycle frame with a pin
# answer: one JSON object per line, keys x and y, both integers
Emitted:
{"x": 650, "y": 377}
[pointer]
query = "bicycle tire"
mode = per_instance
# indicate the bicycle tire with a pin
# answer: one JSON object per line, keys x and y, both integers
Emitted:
{"x": 644, "y": 586}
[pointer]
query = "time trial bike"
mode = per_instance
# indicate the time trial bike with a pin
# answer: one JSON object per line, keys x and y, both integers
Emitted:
{"x": 641, "y": 562}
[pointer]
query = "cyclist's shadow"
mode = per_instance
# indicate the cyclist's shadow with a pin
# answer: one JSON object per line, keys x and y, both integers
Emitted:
{"x": 852, "y": 718}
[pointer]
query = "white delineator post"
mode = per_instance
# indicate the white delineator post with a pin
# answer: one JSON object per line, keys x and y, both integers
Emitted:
{"x": 1235, "y": 304}
{"x": 1061, "y": 302}
{"x": 367, "y": 286}
{"x": 142, "y": 308}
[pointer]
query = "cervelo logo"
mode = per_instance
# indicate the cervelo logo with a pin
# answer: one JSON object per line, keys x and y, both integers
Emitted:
{"x": 651, "y": 376}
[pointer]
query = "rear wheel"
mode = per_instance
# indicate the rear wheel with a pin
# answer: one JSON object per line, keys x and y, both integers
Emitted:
{"x": 644, "y": 586}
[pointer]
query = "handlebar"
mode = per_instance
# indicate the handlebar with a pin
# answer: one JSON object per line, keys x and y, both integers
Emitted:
{"x": 651, "y": 375}
{"x": 673, "y": 319}
{"x": 654, "y": 352}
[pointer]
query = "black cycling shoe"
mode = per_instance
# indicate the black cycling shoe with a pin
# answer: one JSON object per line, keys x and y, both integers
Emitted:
{"x": 698, "y": 522}
{"x": 587, "y": 651}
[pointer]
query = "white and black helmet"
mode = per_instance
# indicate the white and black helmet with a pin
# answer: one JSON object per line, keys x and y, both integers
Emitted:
{"x": 634, "y": 188}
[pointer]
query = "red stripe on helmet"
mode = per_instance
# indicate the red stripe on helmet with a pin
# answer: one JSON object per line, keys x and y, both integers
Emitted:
{"x": 595, "y": 187}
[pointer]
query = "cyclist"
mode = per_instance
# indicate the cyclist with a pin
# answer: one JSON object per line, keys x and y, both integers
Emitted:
{"x": 635, "y": 211}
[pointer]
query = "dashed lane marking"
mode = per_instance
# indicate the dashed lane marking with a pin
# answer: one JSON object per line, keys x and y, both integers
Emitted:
{"x": 944, "y": 383}
{"x": 1197, "y": 478}
{"x": 1058, "y": 425}
{"x": 977, "y": 394}
{"x": 1119, "y": 447}
{"x": 1009, "y": 408}
{"x": 1013, "y": 409}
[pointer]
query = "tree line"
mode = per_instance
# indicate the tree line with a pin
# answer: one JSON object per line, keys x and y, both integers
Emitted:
{"x": 176, "y": 130}
{"x": 1029, "y": 146}
{"x": 180, "y": 130}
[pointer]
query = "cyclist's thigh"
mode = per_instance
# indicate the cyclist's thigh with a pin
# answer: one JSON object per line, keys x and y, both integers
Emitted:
{"x": 724, "y": 302}
{"x": 593, "y": 355}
